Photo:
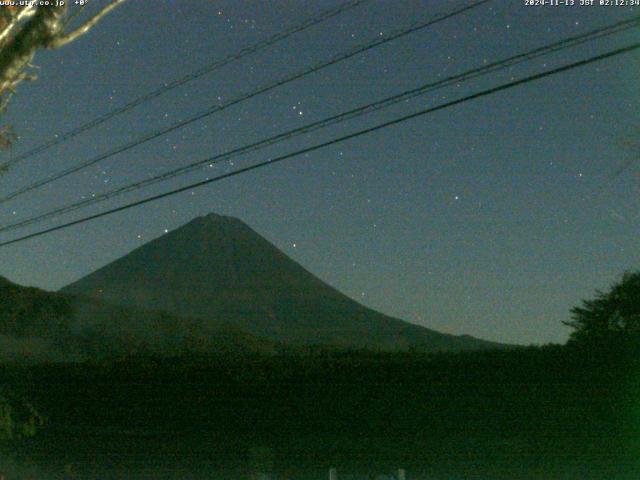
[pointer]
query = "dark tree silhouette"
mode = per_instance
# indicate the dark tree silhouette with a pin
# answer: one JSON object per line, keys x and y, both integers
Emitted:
{"x": 610, "y": 318}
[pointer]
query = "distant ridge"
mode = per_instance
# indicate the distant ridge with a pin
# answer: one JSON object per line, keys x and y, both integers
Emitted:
{"x": 217, "y": 269}
{"x": 41, "y": 326}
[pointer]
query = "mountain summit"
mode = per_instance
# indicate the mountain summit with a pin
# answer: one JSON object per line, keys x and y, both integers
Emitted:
{"x": 217, "y": 269}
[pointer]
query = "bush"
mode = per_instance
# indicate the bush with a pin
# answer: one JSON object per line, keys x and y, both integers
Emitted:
{"x": 611, "y": 318}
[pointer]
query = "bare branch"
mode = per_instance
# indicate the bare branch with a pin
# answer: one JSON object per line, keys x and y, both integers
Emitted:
{"x": 77, "y": 12}
{"x": 24, "y": 30}
{"x": 61, "y": 40}
{"x": 36, "y": 33}
{"x": 4, "y": 101}
{"x": 23, "y": 14}
{"x": 7, "y": 138}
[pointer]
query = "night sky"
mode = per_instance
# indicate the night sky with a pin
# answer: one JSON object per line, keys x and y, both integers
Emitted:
{"x": 491, "y": 218}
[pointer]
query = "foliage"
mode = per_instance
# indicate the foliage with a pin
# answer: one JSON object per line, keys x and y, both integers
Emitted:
{"x": 27, "y": 312}
{"x": 350, "y": 407}
{"x": 18, "y": 417}
{"x": 611, "y": 318}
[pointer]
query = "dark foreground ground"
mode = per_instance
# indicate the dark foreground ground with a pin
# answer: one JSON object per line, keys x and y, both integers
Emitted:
{"x": 534, "y": 413}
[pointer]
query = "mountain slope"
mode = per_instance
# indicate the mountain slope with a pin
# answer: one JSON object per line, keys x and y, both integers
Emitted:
{"x": 31, "y": 322}
{"x": 218, "y": 269}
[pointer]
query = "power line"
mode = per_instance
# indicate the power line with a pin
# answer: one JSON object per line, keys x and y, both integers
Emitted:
{"x": 261, "y": 90}
{"x": 344, "y": 116}
{"x": 319, "y": 146}
{"x": 310, "y": 22}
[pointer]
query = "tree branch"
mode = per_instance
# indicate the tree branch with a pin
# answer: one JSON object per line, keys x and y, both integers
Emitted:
{"x": 61, "y": 40}
{"x": 23, "y": 14}
{"x": 18, "y": 53}
{"x": 35, "y": 28}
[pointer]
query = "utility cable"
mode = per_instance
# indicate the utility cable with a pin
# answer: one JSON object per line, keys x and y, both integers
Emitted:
{"x": 344, "y": 116}
{"x": 261, "y": 90}
{"x": 334, "y": 141}
{"x": 167, "y": 87}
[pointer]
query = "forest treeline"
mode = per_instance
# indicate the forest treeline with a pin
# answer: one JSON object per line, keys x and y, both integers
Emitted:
{"x": 553, "y": 407}
{"x": 555, "y": 411}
